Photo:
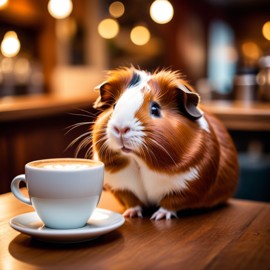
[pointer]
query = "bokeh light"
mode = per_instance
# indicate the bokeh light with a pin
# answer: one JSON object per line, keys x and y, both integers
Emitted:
{"x": 140, "y": 35}
{"x": 161, "y": 11}
{"x": 251, "y": 50}
{"x": 266, "y": 30}
{"x": 60, "y": 9}
{"x": 108, "y": 28}
{"x": 117, "y": 9}
{"x": 10, "y": 45}
{"x": 3, "y": 4}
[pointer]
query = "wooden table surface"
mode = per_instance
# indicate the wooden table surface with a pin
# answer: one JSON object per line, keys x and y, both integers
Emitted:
{"x": 236, "y": 236}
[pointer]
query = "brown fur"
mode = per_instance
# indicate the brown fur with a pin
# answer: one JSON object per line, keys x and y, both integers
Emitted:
{"x": 217, "y": 182}
{"x": 126, "y": 198}
{"x": 184, "y": 144}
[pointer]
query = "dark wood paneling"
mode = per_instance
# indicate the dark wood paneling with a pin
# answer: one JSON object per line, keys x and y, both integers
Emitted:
{"x": 31, "y": 139}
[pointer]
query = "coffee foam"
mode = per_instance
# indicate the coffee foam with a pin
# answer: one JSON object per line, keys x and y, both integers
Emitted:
{"x": 64, "y": 164}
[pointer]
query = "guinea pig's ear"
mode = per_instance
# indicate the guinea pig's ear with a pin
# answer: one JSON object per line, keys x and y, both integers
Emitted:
{"x": 105, "y": 98}
{"x": 187, "y": 102}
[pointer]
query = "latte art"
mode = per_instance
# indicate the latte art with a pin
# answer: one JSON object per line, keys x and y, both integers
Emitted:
{"x": 66, "y": 166}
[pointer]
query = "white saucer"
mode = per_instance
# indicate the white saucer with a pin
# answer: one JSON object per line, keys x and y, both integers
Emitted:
{"x": 101, "y": 222}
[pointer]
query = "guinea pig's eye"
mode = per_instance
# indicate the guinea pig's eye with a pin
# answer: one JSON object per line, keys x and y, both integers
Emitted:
{"x": 155, "y": 109}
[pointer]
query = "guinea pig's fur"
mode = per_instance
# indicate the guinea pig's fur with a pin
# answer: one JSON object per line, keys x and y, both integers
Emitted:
{"x": 159, "y": 148}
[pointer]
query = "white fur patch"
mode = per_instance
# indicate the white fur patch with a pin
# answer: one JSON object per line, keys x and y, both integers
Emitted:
{"x": 128, "y": 178}
{"x": 157, "y": 184}
{"x": 130, "y": 102}
{"x": 203, "y": 123}
{"x": 124, "y": 116}
{"x": 126, "y": 107}
{"x": 147, "y": 185}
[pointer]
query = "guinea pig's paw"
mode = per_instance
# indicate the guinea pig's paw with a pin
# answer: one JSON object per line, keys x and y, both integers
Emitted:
{"x": 162, "y": 213}
{"x": 133, "y": 212}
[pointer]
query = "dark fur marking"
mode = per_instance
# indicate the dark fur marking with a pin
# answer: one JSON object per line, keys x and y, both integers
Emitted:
{"x": 136, "y": 78}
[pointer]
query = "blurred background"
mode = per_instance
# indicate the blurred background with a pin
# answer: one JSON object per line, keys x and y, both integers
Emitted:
{"x": 54, "y": 52}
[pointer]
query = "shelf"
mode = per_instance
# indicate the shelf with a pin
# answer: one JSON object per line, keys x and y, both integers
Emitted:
{"x": 17, "y": 108}
{"x": 234, "y": 115}
{"x": 237, "y": 115}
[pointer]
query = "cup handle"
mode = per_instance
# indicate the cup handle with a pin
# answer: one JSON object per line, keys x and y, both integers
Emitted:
{"x": 15, "y": 189}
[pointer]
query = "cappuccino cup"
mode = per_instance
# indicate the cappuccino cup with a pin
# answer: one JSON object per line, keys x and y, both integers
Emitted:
{"x": 64, "y": 191}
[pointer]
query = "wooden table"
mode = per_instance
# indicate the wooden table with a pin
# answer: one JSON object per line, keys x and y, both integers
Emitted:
{"x": 236, "y": 236}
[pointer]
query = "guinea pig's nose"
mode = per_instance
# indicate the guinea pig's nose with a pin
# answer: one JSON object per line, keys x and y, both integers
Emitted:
{"x": 121, "y": 131}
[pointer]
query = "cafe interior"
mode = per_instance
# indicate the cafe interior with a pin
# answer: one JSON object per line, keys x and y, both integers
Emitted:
{"x": 54, "y": 53}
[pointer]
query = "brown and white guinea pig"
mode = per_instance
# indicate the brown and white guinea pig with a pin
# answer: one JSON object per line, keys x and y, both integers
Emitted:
{"x": 159, "y": 148}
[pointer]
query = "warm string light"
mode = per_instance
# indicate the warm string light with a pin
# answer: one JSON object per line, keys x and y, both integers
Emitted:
{"x": 108, "y": 28}
{"x": 3, "y": 4}
{"x": 266, "y": 30}
{"x": 161, "y": 11}
{"x": 117, "y": 9}
{"x": 60, "y": 9}
{"x": 251, "y": 50}
{"x": 140, "y": 35}
{"x": 10, "y": 45}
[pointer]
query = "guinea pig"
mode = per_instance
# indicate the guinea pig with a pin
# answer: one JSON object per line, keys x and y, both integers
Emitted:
{"x": 159, "y": 147}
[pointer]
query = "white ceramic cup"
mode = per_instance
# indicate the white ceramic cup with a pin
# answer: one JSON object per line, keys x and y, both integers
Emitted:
{"x": 64, "y": 192}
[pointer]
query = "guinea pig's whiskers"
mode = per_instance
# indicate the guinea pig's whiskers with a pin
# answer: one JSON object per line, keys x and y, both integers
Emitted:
{"x": 143, "y": 151}
{"x": 74, "y": 126}
{"x": 98, "y": 141}
{"x": 104, "y": 149}
{"x": 133, "y": 142}
{"x": 84, "y": 113}
{"x": 84, "y": 140}
{"x": 80, "y": 147}
{"x": 79, "y": 138}
{"x": 88, "y": 153}
{"x": 83, "y": 143}
{"x": 102, "y": 136}
{"x": 93, "y": 144}
{"x": 146, "y": 151}
{"x": 163, "y": 148}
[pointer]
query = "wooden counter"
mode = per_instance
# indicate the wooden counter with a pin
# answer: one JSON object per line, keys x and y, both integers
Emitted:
{"x": 25, "y": 107}
{"x": 241, "y": 116}
{"x": 235, "y": 236}
{"x": 235, "y": 115}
